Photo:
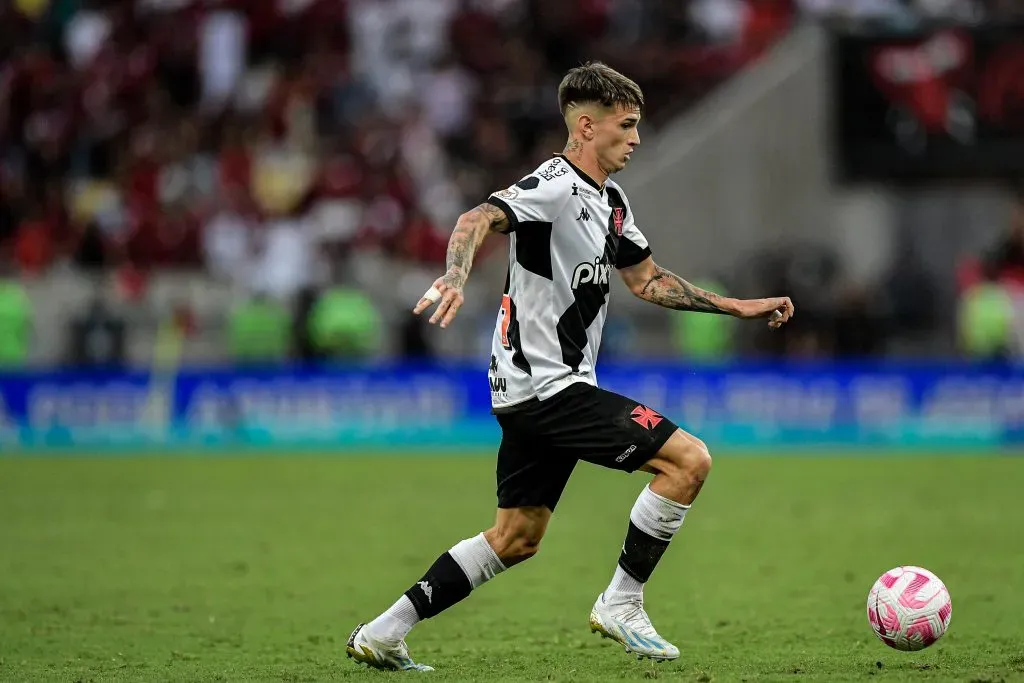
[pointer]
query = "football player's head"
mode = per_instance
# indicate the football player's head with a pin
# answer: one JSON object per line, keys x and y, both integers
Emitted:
{"x": 601, "y": 108}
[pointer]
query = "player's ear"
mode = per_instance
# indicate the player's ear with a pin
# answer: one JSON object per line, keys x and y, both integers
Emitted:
{"x": 587, "y": 125}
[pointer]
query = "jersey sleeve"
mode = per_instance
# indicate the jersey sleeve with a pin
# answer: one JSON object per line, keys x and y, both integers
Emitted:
{"x": 633, "y": 246}
{"x": 531, "y": 200}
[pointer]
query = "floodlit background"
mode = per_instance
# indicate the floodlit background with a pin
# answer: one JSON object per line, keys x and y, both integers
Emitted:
{"x": 216, "y": 216}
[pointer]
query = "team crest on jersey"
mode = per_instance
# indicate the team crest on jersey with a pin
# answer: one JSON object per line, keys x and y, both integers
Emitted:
{"x": 618, "y": 218}
{"x": 509, "y": 193}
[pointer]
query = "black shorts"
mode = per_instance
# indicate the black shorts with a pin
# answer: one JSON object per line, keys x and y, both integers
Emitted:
{"x": 542, "y": 441}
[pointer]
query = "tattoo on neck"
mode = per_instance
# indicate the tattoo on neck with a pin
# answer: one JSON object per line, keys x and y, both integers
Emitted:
{"x": 573, "y": 147}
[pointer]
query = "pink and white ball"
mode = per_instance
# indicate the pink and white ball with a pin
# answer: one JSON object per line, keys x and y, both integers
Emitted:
{"x": 909, "y": 608}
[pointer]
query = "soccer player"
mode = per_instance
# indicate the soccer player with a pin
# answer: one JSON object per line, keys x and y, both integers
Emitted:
{"x": 569, "y": 225}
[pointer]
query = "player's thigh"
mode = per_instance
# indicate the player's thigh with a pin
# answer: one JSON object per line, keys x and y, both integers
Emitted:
{"x": 529, "y": 472}
{"x": 617, "y": 432}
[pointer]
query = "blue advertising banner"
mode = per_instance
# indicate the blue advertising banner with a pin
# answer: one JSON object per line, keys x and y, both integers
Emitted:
{"x": 407, "y": 406}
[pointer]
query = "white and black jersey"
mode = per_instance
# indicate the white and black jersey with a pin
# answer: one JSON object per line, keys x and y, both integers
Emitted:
{"x": 566, "y": 235}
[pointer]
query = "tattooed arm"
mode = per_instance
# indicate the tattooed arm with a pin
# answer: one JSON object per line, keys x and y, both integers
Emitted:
{"x": 471, "y": 230}
{"x": 651, "y": 282}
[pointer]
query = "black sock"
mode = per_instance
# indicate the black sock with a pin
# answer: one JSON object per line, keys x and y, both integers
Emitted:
{"x": 640, "y": 553}
{"x": 442, "y": 586}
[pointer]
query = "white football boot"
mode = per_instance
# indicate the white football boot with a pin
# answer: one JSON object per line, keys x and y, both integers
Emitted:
{"x": 629, "y": 625}
{"x": 366, "y": 649}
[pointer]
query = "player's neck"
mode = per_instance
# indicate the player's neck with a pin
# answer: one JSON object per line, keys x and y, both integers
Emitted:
{"x": 585, "y": 160}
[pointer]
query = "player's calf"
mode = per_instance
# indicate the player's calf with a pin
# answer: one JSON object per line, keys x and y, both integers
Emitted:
{"x": 517, "y": 533}
{"x": 681, "y": 466}
{"x": 450, "y": 579}
{"x": 515, "y": 537}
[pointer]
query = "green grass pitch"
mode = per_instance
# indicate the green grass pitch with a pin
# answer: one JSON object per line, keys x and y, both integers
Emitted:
{"x": 257, "y": 568}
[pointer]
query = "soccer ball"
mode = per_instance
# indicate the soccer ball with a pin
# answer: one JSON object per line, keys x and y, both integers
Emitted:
{"x": 909, "y": 608}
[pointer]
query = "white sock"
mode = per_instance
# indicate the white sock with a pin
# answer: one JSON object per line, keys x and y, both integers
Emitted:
{"x": 657, "y": 517}
{"x": 478, "y": 561}
{"x": 623, "y": 586}
{"x": 394, "y": 624}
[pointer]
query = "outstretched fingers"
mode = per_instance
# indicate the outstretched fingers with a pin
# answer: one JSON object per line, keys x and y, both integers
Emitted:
{"x": 430, "y": 297}
{"x": 451, "y": 301}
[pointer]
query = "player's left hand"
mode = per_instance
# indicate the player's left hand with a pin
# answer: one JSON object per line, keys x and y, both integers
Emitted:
{"x": 778, "y": 310}
{"x": 447, "y": 290}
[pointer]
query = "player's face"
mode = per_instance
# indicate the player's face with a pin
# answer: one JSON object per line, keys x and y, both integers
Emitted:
{"x": 616, "y": 138}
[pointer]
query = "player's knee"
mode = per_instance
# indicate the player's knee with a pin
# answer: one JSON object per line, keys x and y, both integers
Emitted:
{"x": 512, "y": 544}
{"x": 690, "y": 457}
{"x": 697, "y": 459}
{"x": 519, "y": 550}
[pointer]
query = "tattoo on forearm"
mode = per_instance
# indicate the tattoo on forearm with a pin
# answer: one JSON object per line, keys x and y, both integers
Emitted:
{"x": 671, "y": 291}
{"x": 470, "y": 232}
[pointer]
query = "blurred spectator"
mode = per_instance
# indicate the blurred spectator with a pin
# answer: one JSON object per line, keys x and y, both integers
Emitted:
{"x": 991, "y": 307}
{"x": 1005, "y": 263}
{"x": 259, "y": 331}
{"x": 97, "y": 337}
{"x": 303, "y": 346}
{"x": 704, "y": 337}
{"x": 986, "y": 322}
{"x": 344, "y": 323}
{"x": 228, "y": 238}
{"x": 413, "y": 342}
{"x": 15, "y": 322}
{"x": 222, "y": 51}
{"x": 285, "y": 260}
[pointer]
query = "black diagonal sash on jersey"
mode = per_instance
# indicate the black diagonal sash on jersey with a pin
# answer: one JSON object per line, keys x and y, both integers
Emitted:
{"x": 590, "y": 298}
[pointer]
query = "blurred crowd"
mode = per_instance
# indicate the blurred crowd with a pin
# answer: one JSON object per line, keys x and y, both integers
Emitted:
{"x": 268, "y": 142}
{"x": 261, "y": 138}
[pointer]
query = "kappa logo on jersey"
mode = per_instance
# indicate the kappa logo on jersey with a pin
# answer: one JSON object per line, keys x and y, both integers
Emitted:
{"x": 554, "y": 169}
{"x": 584, "y": 214}
{"x": 645, "y": 417}
{"x": 597, "y": 273}
{"x": 618, "y": 218}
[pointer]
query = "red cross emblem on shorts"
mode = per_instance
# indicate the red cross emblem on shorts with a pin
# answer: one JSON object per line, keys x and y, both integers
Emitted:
{"x": 645, "y": 417}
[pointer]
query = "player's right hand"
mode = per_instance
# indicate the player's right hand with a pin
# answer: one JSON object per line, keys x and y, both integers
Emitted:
{"x": 446, "y": 292}
{"x": 778, "y": 310}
